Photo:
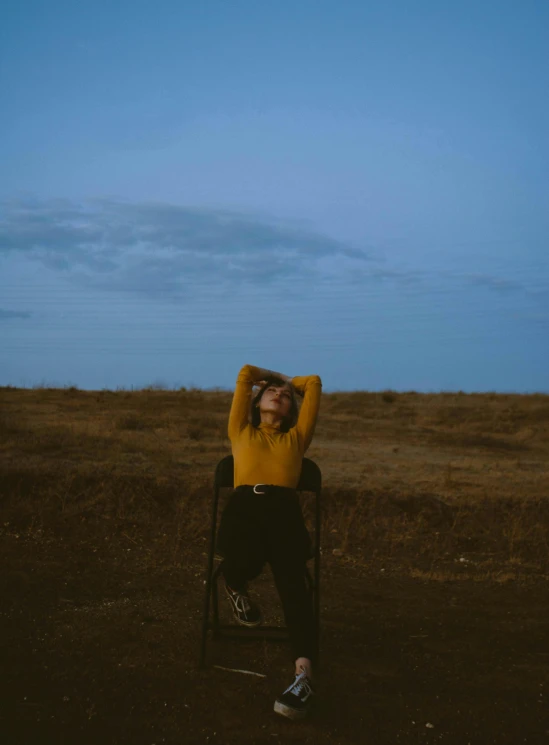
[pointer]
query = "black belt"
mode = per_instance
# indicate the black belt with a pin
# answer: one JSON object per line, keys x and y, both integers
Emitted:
{"x": 265, "y": 488}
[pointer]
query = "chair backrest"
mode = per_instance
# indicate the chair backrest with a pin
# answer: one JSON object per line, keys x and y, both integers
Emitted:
{"x": 309, "y": 480}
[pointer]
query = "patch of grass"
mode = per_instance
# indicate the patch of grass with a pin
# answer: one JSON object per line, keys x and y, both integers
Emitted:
{"x": 389, "y": 397}
{"x": 8, "y": 425}
{"x": 203, "y": 427}
{"x": 133, "y": 422}
{"x": 461, "y": 439}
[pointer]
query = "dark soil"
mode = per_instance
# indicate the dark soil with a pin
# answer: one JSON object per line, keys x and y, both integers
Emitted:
{"x": 100, "y": 645}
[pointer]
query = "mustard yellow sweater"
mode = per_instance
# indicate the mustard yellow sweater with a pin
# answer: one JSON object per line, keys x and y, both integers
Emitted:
{"x": 264, "y": 455}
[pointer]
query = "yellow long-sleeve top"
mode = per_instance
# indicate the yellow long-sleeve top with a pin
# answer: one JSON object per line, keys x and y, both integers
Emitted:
{"x": 264, "y": 454}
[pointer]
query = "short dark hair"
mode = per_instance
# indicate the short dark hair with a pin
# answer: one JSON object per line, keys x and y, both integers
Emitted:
{"x": 290, "y": 420}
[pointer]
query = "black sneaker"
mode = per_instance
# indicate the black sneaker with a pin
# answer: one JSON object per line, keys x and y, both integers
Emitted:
{"x": 245, "y": 612}
{"x": 296, "y": 700}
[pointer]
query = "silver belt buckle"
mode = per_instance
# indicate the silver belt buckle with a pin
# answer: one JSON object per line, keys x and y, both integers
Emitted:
{"x": 259, "y": 492}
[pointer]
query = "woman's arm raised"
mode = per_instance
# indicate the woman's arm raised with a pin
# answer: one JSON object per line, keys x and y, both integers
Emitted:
{"x": 248, "y": 376}
{"x": 262, "y": 374}
{"x": 310, "y": 386}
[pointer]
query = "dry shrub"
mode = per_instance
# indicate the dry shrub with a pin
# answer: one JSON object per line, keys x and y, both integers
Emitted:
{"x": 463, "y": 439}
{"x": 99, "y": 503}
{"x": 48, "y": 440}
{"x": 389, "y": 397}
{"x": 133, "y": 422}
{"x": 539, "y": 415}
{"x": 195, "y": 432}
{"x": 376, "y": 524}
{"x": 9, "y": 425}
{"x": 204, "y": 426}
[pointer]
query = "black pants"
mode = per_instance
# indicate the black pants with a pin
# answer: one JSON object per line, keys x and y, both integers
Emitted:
{"x": 259, "y": 528}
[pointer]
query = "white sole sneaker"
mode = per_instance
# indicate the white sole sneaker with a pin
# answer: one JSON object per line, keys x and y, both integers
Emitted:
{"x": 237, "y": 618}
{"x": 247, "y": 623}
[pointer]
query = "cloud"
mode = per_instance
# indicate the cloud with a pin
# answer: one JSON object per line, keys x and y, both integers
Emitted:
{"x": 165, "y": 250}
{"x": 8, "y": 315}
{"x": 500, "y": 284}
{"x": 156, "y": 246}
{"x": 494, "y": 282}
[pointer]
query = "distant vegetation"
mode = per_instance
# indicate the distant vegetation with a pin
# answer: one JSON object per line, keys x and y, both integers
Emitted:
{"x": 420, "y": 479}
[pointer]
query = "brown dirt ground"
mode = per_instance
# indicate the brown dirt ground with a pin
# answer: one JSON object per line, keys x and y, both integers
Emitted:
{"x": 434, "y": 620}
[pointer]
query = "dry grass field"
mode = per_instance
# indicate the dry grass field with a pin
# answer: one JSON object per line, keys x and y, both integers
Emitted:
{"x": 434, "y": 592}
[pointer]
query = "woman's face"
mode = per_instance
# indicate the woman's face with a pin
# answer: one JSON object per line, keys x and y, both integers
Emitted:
{"x": 276, "y": 399}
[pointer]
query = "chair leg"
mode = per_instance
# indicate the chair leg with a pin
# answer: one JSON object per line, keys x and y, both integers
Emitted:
{"x": 206, "y": 614}
{"x": 317, "y": 626}
{"x": 215, "y": 599}
{"x": 316, "y": 600}
{"x": 313, "y": 593}
{"x": 205, "y": 619}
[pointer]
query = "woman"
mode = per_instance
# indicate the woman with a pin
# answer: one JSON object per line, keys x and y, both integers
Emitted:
{"x": 262, "y": 521}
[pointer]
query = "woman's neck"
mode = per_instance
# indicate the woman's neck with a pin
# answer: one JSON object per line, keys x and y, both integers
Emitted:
{"x": 271, "y": 419}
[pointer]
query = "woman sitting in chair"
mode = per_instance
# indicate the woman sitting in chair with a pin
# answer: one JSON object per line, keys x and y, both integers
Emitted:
{"x": 262, "y": 520}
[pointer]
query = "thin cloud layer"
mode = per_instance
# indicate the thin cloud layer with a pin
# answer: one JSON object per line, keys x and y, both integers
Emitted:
{"x": 161, "y": 250}
{"x": 153, "y": 246}
{"x": 10, "y": 315}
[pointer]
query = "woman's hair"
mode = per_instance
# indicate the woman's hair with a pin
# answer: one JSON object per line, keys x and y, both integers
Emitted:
{"x": 290, "y": 420}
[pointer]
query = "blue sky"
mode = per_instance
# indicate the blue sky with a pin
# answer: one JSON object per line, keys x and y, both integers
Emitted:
{"x": 323, "y": 188}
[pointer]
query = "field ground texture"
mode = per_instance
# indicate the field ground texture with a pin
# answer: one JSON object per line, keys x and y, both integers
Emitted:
{"x": 434, "y": 591}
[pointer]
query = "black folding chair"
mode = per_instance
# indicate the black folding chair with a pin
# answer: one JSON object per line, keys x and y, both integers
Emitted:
{"x": 310, "y": 481}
